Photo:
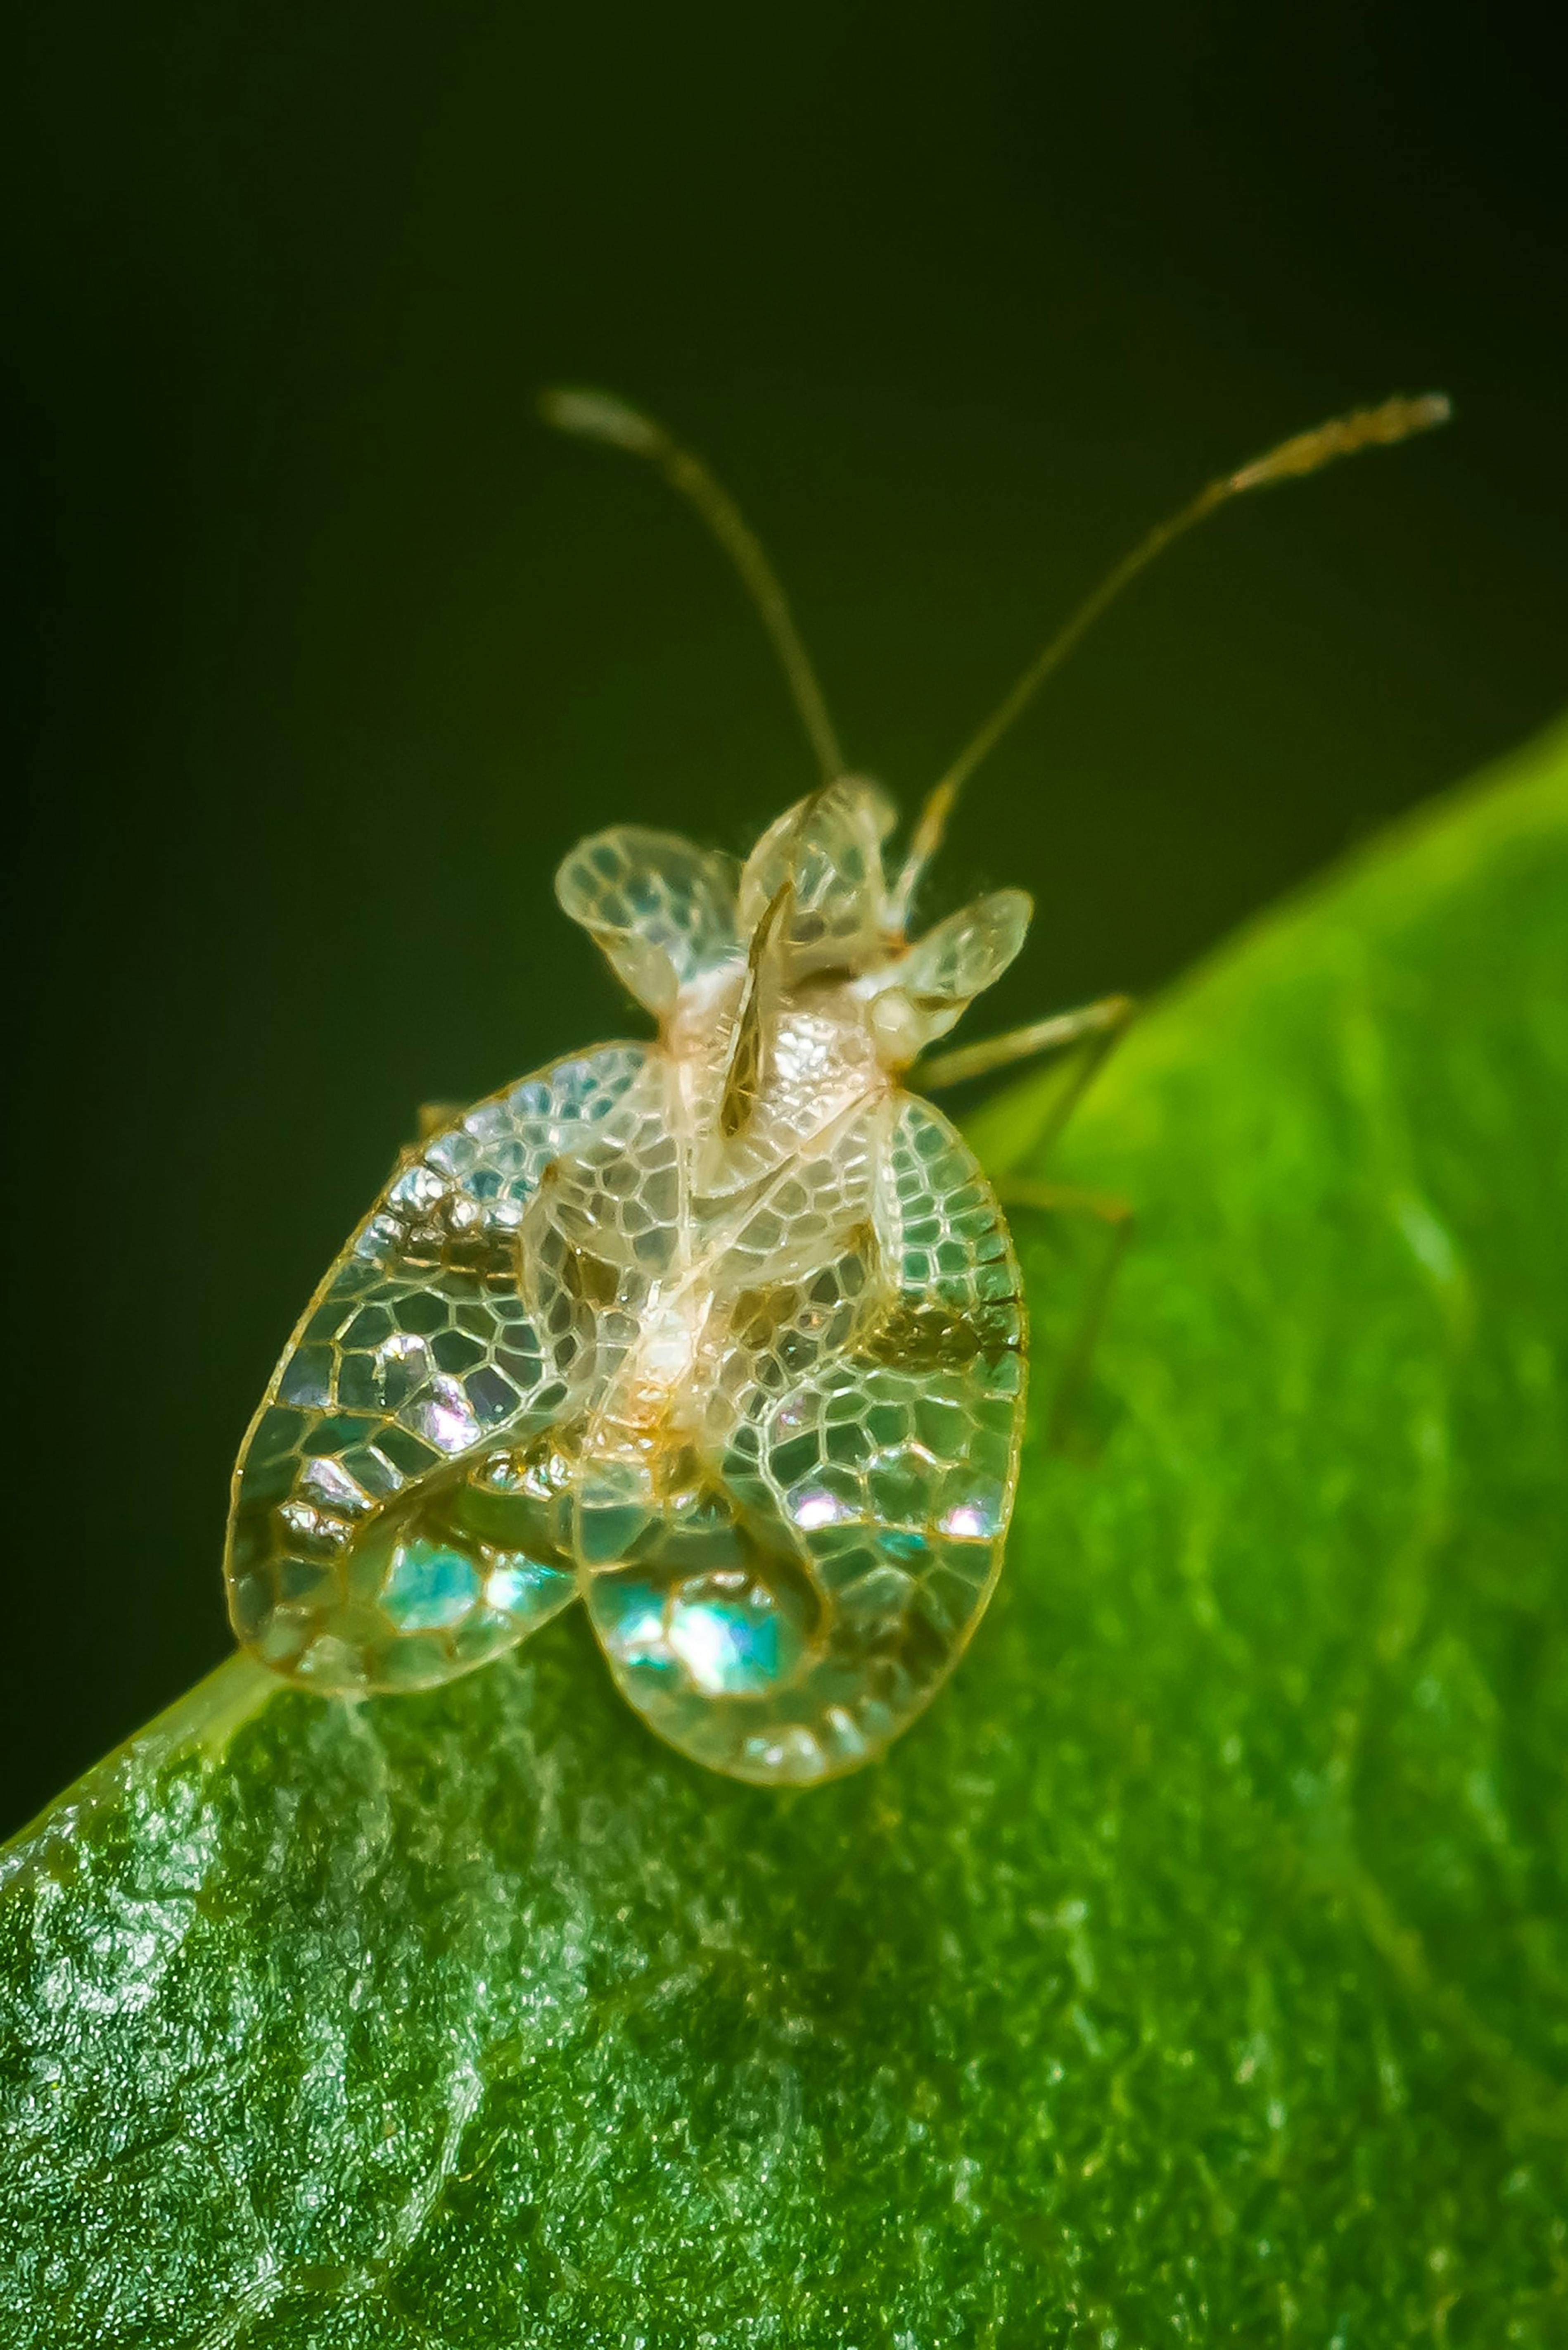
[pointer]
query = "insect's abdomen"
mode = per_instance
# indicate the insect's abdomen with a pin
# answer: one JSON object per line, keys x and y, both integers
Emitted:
{"x": 783, "y": 1585}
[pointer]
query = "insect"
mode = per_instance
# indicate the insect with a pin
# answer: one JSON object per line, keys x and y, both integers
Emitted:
{"x": 720, "y": 1333}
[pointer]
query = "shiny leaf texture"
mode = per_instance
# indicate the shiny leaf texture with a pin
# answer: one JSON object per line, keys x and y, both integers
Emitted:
{"x": 1196, "y": 1971}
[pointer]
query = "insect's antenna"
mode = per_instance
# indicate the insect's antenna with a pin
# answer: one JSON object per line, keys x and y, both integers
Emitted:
{"x": 1305, "y": 452}
{"x": 601, "y": 416}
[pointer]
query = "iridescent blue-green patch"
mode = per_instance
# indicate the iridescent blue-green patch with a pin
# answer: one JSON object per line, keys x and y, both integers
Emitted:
{"x": 429, "y": 1587}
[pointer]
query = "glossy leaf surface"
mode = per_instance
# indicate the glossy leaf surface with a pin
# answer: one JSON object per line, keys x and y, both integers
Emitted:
{"x": 1196, "y": 1971}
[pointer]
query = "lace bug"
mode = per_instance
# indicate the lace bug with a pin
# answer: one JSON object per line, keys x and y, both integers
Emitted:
{"x": 722, "y": 1333}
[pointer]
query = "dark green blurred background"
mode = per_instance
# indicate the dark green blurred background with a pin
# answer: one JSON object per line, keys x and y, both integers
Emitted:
{"x": 322, "y": 655}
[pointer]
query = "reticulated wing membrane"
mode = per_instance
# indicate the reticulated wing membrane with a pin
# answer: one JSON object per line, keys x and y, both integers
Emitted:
{"x": 962, "y": 956}
{"x": 603, "y": 1230}
{"x": 660, "y": 909}
{"x": 805, "y": 1213}
{"x": 829, "y": 849}
{"x": 856, "y": 1473}
{"x": 398, "y": 1506}
{"x": 650, "y": 1474}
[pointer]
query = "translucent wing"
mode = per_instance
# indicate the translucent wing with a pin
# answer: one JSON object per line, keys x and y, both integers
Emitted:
{"x": 964, "y": 956}
{"x": 933, "y": 984}
{"x": 604, "y": 1233}
{"x": 829, "y": 847}
{"x": 397, "y": 1513}
{"x": 660, "y": 909}
{"x": 804, "y": 1565}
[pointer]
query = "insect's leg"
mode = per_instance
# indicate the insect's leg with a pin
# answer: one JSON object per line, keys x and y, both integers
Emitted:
{"x": 1116, "y": 1215}
{"x": 431, "y": 1117}
{"x": 1102, "y": 1021}
{"x": 1062, "y": 1198}
{"x": 1084, "y": 1037}
{"x": 1086, "y": 1034}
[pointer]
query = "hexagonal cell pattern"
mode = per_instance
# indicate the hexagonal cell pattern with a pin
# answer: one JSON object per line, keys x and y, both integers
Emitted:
{"x": 854, "y": 1471}
{"x": 419, "y": 1358}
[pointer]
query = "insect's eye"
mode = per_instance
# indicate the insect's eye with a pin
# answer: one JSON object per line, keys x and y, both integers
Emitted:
{"x": 898, "y": 1029}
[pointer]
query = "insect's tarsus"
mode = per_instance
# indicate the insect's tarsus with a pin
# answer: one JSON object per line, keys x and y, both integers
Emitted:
{"x": 601, "y": 416}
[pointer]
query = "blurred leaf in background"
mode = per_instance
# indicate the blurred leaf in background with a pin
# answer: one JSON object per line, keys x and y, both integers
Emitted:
{"x": 1196, "y": 1971}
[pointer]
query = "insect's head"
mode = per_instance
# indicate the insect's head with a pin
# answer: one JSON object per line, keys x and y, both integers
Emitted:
{"x": 817, "y": 892}
{"x": 818, "y": 897}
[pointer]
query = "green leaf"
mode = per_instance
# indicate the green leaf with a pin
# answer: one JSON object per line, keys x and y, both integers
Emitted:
{"x": 1196, "y": 1971}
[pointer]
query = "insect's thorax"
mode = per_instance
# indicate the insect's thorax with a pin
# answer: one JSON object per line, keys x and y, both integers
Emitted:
{"x": 744, "y": 1113}
{"x": 767, "y": 1188}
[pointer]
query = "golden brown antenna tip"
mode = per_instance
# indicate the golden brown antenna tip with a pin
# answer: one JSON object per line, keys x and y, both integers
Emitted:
{"x": 601, "y": 416}
{"x": 1365, "y": 428}
{"x": 1391, "y": 421}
